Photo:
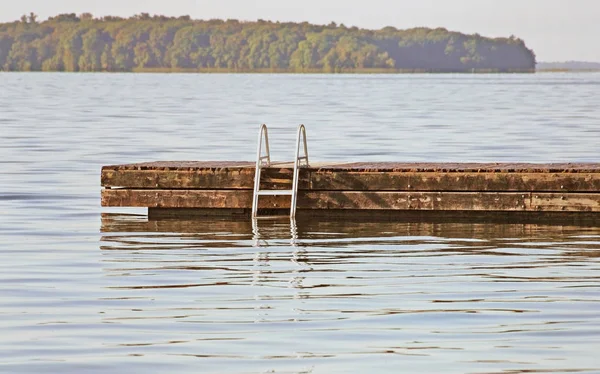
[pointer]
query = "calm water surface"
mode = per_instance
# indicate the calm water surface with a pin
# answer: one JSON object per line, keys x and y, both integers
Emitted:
{"x": 91, "y": 290}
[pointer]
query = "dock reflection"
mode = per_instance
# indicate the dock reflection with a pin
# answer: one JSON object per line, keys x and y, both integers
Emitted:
{"x": 305, "y": 228}
{"x": 125, "y": 231}
{"x": 238, "y": 280}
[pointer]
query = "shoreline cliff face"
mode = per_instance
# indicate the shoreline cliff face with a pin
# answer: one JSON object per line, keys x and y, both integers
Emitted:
{"x": 156, "y": 43}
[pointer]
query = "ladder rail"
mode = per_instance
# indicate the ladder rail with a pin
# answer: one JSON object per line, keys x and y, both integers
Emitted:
{"x": 264, "y": 132}
{"x": 300, "y": 133}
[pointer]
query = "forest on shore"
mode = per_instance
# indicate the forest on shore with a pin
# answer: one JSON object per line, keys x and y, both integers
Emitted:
{"x": 70, "y": 42}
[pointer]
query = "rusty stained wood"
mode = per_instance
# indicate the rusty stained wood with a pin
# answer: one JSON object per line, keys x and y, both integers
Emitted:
{"x": 183, "y": 179}
{"x": 326, "y": 179}
{"x": 457, "y": 167}
{"x": 369, "y": 200}
{"x": 241, "y": 178}
{"x": 182, "y": 165}
{"x": 375, "y": 166}
{"x": 454, "y": 181}
{"x": 188, "y": 199}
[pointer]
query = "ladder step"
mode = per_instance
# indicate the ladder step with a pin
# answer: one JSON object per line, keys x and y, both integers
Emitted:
{"x": 277, "y": 180}
{"x": 279, "y": 217}
{"x": 274, "y": 192}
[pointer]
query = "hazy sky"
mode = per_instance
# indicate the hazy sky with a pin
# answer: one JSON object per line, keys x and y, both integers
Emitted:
{"x": 555, "y": 29}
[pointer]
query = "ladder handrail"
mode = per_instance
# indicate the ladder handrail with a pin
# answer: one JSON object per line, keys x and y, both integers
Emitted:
{"x": 260, "y": 163}
{"x": 263, "y": 132}
{"x": 259, "y": 157}
{"x": 301, "y": 132}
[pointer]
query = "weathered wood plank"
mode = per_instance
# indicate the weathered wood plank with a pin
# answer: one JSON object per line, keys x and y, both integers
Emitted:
{"x": 189, "y": 199}
{"x": 375, "y": 166}
{"x": 453, "y": 181}
{"x": 324, "y": 179}
{"x": 182, "y": 165}
{"x": 179, "y": 179}
{"x": 570, "y": 202}
{"x": 451, "y": 167}
{"x": 472, "y": 201}
{"x": 240, "y": 178}
{"x": 374, "y": 200}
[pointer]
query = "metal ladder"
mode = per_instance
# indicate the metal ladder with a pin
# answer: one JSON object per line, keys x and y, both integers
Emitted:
{"x": 265, "y": 162}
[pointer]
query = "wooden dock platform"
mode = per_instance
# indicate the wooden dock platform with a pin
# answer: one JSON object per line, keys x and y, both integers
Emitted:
{"x": 208, "y": 188}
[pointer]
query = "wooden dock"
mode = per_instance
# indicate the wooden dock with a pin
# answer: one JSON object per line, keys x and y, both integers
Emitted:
{"x": 225, "y": 188}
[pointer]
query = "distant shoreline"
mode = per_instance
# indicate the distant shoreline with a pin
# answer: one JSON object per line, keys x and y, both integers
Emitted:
{"x": 567, "y": 71}
{"x": 145, "y": 43}
{"x": 223, "y": 72}
{"x": 319, "y": 71}
{"x": 313, "y": 71}
{"x": 282, "y": 71}
{"x": 568, "y": 66}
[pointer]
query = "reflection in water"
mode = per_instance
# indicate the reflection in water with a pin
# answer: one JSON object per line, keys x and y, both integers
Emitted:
{"x": 320, "y": 296}
{"x": 257, "y": 236}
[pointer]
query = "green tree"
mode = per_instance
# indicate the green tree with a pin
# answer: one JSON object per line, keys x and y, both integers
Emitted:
{"x": 92, "y": 49}
{"x": 106, "y": 60}
{"x": 71, "y": 47}
{"x": 6, "y": 43}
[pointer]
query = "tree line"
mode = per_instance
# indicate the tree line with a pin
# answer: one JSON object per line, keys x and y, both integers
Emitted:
{"x": 70, "y": 42}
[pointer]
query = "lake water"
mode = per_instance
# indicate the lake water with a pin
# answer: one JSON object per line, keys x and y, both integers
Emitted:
{"x": 91, "y": 290}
